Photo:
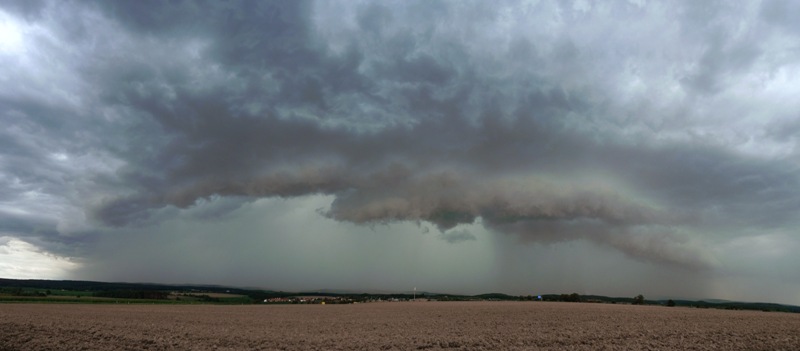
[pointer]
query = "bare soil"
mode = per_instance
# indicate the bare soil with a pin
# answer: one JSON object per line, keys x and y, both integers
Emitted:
{"x": 398, "y": 326}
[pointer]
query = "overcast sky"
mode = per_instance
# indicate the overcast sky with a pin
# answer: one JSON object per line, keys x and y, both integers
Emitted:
{"x": 524, "y": 147}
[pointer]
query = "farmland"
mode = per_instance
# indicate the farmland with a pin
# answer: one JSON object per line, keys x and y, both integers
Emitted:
{"x": 400, "y": 325}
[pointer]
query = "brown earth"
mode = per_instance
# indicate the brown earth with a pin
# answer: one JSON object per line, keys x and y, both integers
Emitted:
{"x": 399, "y": 326}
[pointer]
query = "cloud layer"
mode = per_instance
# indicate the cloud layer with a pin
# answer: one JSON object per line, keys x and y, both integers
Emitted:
{"x": 660, "y": 131}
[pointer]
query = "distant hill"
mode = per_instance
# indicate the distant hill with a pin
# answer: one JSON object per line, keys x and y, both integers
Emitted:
{"x": 733, "y": 305}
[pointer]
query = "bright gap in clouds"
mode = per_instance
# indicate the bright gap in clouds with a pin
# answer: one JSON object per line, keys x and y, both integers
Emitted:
{"x": 21, "y": 260}
{"x": 10, "y": 35}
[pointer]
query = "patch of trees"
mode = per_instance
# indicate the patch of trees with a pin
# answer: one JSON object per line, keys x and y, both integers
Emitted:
{"x": 133, "y": 294}
{"x": 638, "y": 300}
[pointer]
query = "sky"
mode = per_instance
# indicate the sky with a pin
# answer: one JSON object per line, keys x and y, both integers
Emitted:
{"x": 524, "y": 147}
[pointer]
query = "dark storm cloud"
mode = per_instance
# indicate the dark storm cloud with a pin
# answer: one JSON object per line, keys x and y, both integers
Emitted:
{"x": 445, "y": 112}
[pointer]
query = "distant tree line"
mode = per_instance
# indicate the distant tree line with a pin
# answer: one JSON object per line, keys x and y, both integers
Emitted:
{"x": 16, "y": 291}
{"x": 574, "y": 297}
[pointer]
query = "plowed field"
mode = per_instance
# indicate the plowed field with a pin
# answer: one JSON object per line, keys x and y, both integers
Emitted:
{"x": 399, "y": 326}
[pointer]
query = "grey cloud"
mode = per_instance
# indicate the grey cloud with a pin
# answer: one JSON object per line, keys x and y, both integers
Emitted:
{"x": 28, "y": 225}
{"x": 778, "y": 12}
{"x": 374, "y": 17}
{"x": 721, "y": 59}
{"x": 29, "y": 10}
{"x": 784, "y": 129}
{"x": 660, "y": 245}
{"x": 123, "y": 211}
